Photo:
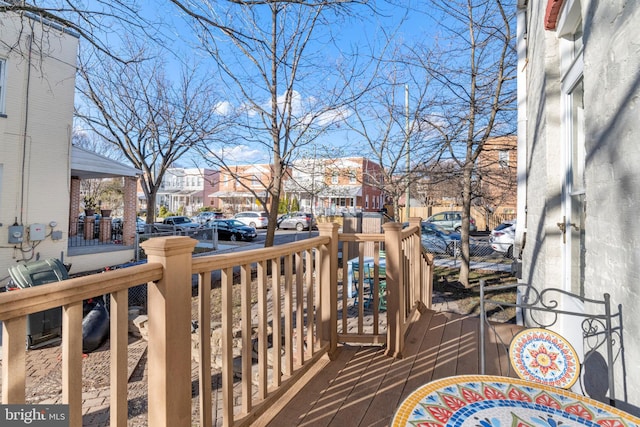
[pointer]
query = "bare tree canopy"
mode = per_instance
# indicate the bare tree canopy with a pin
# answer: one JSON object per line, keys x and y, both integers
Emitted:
{"x": 101, "y": 23}
{"x": 151, "y": 119}
{"x": 270, "y": 55}
{"x": 387, "y": 121}
{"x": 472, "y": 68}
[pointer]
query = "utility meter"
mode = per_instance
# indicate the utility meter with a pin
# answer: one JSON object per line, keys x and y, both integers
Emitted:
{"x": 16, "y": 233}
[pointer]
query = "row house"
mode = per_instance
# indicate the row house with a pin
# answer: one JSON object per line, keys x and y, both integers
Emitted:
{"x": 335, "y": 186}
{"x": 242, "y": 188}
{"x": 497, "y": 168}
{"x": 323, "y": 186}
{"x": 187, "y": 189}
{"x": 41, "y": 173}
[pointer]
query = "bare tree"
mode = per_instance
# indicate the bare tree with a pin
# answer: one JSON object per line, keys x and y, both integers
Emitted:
{"x": 152, "y": 120}
{"x": 94, "y": 143}
{"x": 267, "y": 55}
{"x": 99, "y": 22}
{"x": 472, "y": 68}
{"x": 387, "y": 120}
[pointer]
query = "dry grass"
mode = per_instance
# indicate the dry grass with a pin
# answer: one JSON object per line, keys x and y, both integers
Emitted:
{"x": 446, "y": 285}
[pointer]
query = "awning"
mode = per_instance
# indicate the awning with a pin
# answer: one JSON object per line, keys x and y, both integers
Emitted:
{"x": 86, "y": 164}
{"x": 341, "y": 191}
{"x": 235, "y": 194}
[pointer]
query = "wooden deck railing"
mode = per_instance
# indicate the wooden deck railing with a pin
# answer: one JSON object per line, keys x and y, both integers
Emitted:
{"x": 293, "y": 323}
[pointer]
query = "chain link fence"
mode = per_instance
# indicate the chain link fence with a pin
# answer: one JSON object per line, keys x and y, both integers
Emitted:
{"x": 482, "y": 257}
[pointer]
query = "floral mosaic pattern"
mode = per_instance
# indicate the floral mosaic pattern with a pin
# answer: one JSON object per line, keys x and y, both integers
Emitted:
{"x": 543, "y": 356}
{"x": 488, "y": 401}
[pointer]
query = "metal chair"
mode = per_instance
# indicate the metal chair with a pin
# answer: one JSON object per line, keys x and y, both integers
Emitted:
{"x": 367, "y": 282}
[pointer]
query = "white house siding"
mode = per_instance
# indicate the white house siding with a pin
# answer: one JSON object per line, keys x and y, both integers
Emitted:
{"x": 612, "y": 172}
{"x": 541, "y": 256}
{"x": 47, "y": 114}
{"x": 612, "y": 90}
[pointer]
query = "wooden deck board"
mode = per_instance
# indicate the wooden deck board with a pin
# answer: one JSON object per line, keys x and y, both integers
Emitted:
{"x": 468, "y": 361}
{"x": 363, "y": 386}
{"x": 391, "y": 390}
{"x": 293, "y": 413}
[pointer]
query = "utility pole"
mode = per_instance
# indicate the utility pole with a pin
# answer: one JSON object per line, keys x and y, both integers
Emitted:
{"x": 408, "y": 166}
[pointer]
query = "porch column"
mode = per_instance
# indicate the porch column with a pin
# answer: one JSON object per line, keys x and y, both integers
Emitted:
{"x": 74, "y": 206}
{"x": 130, "y": 212}
{"x": 395, "y": 293}
{"x": 169, "y": 307}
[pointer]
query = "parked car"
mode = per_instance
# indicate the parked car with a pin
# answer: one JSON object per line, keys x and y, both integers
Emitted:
{"x": 140, "y": 225}
{"x": 253, "y": 219}
{"x": 231, "y": 229}
{"x": 96, "y": 223}
{"x": 437, "y": 240}
{"x": 175, "y": 223}
{"x": 205, "y": 216}
{"x": 298, "y": 220}
{"x": 502, "y": 238}
{"x": 451, "y": 220}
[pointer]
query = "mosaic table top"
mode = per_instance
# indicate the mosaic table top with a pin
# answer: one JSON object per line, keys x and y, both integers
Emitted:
{"x": 492, "y": 401}
{"x": 542, "y": 355}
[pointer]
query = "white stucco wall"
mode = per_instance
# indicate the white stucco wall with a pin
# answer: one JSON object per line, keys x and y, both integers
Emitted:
{"x": 612, "y": 129}
{"x": 612, "y": 174}
{"x": 541, "y": 257}
{"x": 35, "y": 181}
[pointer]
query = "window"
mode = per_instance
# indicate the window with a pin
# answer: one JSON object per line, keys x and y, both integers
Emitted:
{"x": 503, "y": 158}
{"x": 334, "y": 178}
{"x": 352, "y": 177}
{"x": 3, "y": 85}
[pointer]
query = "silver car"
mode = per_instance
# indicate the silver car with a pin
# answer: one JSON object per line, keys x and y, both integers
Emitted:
{"x": 451, "y": 220}
{"x": 298, "y": 220}
{"x": 253, "y": 219}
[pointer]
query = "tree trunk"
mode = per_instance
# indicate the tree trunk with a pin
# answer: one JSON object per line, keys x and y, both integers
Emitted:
{"x": 464, "y": 233}
{"x": 151, "y": 206}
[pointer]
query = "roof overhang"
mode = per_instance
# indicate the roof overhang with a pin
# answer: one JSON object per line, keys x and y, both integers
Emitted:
{"x": 341, "y": 191}
{"x": 86, "y": 164}
{"x": 230, "y": 194}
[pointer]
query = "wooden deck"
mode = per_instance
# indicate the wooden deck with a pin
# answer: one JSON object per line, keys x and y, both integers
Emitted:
{"x": 363, "y": 387}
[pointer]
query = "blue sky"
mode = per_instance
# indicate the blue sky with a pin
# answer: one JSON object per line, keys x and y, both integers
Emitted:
{"x": 407, "y": 25}
{"x": 354, "y": 34}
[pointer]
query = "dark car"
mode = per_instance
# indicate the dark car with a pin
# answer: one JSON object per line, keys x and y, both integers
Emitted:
{"x": 298, "y": 220}
{"x": 232, "y": 229}
{"x": 437, "y": 240}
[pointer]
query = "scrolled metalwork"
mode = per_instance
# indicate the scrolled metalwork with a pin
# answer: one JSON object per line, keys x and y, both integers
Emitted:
{"x": 601, "y": 329}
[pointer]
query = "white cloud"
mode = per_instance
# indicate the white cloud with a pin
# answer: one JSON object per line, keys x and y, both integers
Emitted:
{"x": 223, "y": 108}
{"x": 242, "y": 154}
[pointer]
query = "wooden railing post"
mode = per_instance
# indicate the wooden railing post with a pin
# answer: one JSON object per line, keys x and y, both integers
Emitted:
{"x": 395, "y": 294}
{"x": 415, "y": 280}
{"x": 169, "y": 354}
{"x": 328, "y": 288}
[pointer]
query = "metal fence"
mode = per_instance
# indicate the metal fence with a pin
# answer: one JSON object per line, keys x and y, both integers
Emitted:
{"x": 98, "y": 232}
{"x": 482, "y": 256}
